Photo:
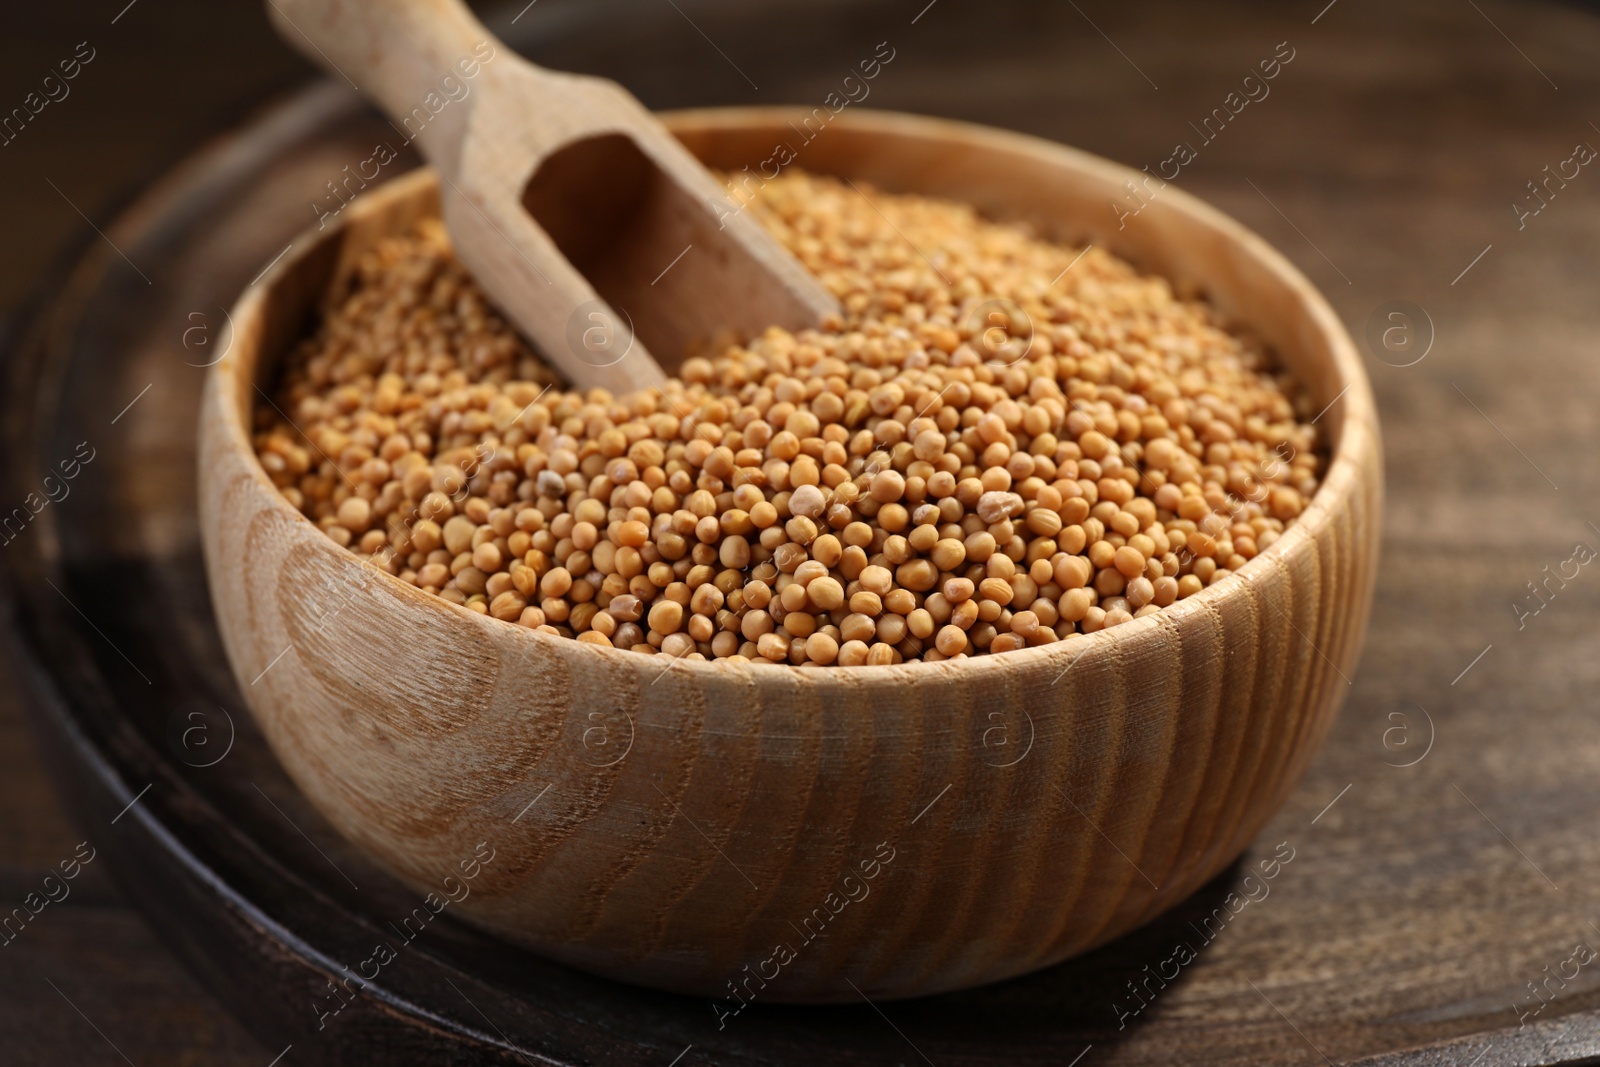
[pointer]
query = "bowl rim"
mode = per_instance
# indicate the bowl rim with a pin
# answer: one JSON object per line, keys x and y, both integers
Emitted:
{"x": 1356, "y": 432}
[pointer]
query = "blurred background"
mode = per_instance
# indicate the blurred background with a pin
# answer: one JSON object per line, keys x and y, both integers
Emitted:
{"x": 1400, "y": 161}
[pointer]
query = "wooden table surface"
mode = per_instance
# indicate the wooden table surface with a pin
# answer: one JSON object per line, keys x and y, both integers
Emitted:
{"x": 1385, "y": 162}
{"x": 128, "y": 114}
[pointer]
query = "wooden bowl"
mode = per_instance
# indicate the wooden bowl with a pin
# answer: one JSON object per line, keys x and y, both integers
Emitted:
{"x": 773, "y": 833}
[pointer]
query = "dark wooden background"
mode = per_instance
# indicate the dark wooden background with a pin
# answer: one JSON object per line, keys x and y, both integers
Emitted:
{"x": 1385, "y": 164}
{"x": 164, "y": 77}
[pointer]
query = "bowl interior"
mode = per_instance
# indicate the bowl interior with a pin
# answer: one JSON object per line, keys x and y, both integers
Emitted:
{"x": 1065, "y": 194}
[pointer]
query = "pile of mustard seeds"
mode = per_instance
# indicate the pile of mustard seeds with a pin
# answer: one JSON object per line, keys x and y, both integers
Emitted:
{"x": 1004, "y": 443}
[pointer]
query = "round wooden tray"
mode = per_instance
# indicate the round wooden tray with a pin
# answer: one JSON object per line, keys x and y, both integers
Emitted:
{"x": 1405, "y": 920}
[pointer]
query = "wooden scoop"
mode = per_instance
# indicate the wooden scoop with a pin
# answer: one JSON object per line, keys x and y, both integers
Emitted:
{"x": 581, "y": 216}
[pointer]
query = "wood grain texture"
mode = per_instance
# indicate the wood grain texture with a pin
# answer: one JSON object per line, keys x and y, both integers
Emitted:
{"x": 563, "y": 195}
{"x": 670, "y": 824}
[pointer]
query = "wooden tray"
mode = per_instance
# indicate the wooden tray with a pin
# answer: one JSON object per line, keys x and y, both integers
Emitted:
{"x": 1441, "y": 856}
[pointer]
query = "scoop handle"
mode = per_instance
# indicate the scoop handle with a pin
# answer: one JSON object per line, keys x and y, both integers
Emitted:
{"x": 413, "y": 58}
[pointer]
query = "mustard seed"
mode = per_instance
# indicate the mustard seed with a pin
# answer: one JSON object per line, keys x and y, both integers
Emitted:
{"x": 666, "y": 616}
{"x": 1128, "y": 561}
{"x": 825, "y": 593}
{"x": 951, "y": 641}
{"x": 866, "y": 493}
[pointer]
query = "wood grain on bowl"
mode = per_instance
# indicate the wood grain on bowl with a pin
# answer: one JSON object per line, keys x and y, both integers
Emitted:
{"x": 720, "y": 828}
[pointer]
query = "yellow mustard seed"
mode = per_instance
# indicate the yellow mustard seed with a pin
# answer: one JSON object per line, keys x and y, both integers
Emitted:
{"x": 881, "y": 489}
